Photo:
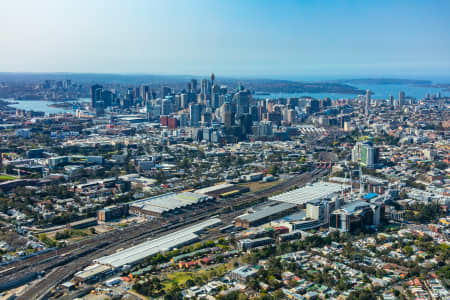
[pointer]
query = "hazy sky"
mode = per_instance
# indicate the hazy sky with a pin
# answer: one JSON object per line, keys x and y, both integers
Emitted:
{"x": 242, "y": 37}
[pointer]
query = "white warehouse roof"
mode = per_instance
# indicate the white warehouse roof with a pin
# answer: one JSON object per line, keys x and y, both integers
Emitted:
{"x": 309, "y": 193}
{"x": 168, "y": 202}
{"x": 139, "y": 252}
{"x": 214, "y": 188}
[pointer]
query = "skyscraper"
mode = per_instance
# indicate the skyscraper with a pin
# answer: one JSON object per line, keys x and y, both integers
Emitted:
{"x": 315, "y": 105}
{"x": 215, "y": 99}
{"x": 365, "y": 153}
{"x": 291, "y": 117}
{"x": 195, "y": 114}
{"x": 107, "y": 98}
{"x": 165, "y": 91}
{"x": 242, "y": 98}
{"x": 401, "y": 98}
{"x": 99, "y": 108}
{"x": 67, "y": 83}
{"x": 145, "y": 90}
{"x": 205, "y": 87}
{"x": 226, "y": 115}
{"x": 94, "y": 95}
{"x": 391, "y": 100}
{"x": 166, "y": 107}
{"x": 184, "y": 101}
{"x": 367, "y": 102}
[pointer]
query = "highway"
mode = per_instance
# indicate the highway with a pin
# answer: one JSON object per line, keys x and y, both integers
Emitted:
{"x": 60, "y": 266}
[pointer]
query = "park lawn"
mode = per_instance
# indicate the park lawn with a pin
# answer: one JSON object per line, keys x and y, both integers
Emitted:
{"x": 6, "y": 177}
{"x": 180, "y": 277}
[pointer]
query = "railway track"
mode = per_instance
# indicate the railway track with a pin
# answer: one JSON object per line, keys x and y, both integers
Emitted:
{"x": 130, "y": 236}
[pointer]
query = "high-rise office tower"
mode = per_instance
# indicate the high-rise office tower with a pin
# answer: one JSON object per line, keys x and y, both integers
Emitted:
{"x": 129, "y": 99}
{"x": 242, "y": 99}
{"x": 205, "y": 86}
{"x": 367, "y": 102}
{"x": 368, "y": 155}
{"x": 215, "y": 89}
{"x": 326, "y": 102}
{"x": 291, "y": 117}
{"x": 261, "y": 112}
{"x": 184, "y": 100}
{"x": 94, "y": 98}
{"x": 137, "y": 92}
{"x": 176, "y": 104}
{"x": 195, "y": 114}
{"x": 292, "y": 102}
{"x": 226, "y": 115}
{"x": 315, "y": 105}
{"x": 166, "y": 107}
{"x": 223, "y": 99}
{"x": 152, "y": 94}
{"x": 98, "y": 96}
{"x": 223, "y": 89}
{"x": 99, "y": 108}
{"x": 245, "y": 123}
{"x": 206, "y": 118}
{"x": 401, "y": 98}
{"x": 67, "y": 83}
{"x": 365, "y": 153}
{"x": 254, "y": 113}
{"x": 165, "y": 91}
{"x": 215, "y": 101}
{"x": 148, "y": 110}
{"x": 145, "y": 90}
{"x": 107, "y": 98}
{"x": 193, "y": 86}
{"x": 391, "y": 100}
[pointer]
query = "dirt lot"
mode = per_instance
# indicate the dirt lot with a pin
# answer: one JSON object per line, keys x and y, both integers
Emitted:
{"x": 259, "y": 185}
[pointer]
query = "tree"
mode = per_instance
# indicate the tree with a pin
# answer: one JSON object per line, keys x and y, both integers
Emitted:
{"x": 189, "y": 283}
{"x": 278, "y": 294}
{"x": 362, "y": 295}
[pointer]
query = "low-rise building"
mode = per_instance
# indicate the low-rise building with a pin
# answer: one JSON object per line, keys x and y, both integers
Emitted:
{"x": 243, "y": 273}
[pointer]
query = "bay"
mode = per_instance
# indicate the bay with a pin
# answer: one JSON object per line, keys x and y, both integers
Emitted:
{"x": 43, "y": 105}
{"x": 379, "y": 91}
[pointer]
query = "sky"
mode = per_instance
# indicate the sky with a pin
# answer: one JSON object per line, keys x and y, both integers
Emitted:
{"x": 260, "y": 38}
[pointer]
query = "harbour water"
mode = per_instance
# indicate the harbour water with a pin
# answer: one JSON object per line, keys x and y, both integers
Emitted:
{"x": 379, "y": 91}
{"x": 43, "y": 105}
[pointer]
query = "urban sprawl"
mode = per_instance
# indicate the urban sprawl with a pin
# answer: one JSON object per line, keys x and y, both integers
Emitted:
{"x": 206, "y": 191}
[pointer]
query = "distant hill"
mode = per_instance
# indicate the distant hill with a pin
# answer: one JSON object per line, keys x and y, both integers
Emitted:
{"x": 286, "y": 86}
{"x": 179, "y": 82}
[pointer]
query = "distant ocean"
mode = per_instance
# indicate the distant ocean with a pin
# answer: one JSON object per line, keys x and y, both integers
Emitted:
{"x": 380, "y": 91}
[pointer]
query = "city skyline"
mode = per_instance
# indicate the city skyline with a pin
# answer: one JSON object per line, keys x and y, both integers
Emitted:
{"x": 292, "y": 39}
{"x": 228, "y": 150}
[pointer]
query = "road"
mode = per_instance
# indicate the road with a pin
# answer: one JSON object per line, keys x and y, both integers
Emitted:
{"x": 62, "y": 268}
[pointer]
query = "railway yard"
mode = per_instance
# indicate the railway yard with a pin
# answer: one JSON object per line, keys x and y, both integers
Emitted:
{"x": 57, "y": 266}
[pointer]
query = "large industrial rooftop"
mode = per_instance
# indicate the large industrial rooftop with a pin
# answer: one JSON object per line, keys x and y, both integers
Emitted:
{"x": 303, "y": 195}
{"x": 214, "y": 188}
{"x": 139, "y": 252}
{"x": 266, "y": 212}
{"x": 168, "y": 202}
